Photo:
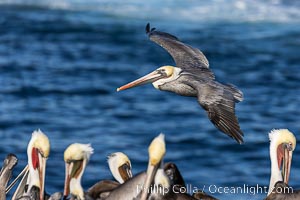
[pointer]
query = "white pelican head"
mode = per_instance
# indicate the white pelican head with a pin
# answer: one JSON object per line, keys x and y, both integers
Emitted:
{"x": 120, "y": 166}
{"x": 158, "y": 77}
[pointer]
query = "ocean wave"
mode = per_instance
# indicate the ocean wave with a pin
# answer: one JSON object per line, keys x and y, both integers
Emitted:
{"x": 192, "y": 10}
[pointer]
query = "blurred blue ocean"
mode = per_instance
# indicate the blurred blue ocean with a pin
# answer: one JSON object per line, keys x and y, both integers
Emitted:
{"x": 62, "y": 60}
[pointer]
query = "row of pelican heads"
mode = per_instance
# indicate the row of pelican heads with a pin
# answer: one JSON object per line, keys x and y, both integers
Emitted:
{"x": 160, "y": 181}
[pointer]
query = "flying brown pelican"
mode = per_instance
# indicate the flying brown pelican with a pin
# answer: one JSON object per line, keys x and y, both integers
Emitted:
{"x": 282, "y": 145}
{"x": 192, "y": 77}
{"x": 32, "y": 183}
{"x": 76, "y": 157}
{"x": 120, "y": 166}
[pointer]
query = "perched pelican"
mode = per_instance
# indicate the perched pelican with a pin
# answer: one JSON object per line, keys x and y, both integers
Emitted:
{"x": 5, "y": 174}
{"x": 76, "y": 157}
{"x": 120, "y": 166}
{"x": 177, "y": 182}
{"x": 162, "y": 188}
{"x": 157, "y": 151}
{"x": 192, "y": 77}
{"x": 282, "y": 145}
{"x": 138, "y": 186}
{"x": 32, "y": 183}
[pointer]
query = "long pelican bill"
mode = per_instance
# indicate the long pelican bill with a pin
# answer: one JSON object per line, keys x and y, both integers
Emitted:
{"x": 73, "y": 171}
{"x": 38, "y": 173}
{"x": 149, "y": 78}
{"x": 67, "y": 181}
{"x": 38, "y": 169}
{"x": 287, "y": 159}
{"x": 42, "y": 170}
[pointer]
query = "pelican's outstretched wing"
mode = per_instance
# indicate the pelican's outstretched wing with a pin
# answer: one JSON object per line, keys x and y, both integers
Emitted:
{"x": 219, "y": 102}
{"x": 185, "y": 56}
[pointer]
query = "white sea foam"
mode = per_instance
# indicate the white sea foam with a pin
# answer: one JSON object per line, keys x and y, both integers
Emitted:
{"x": 191, "y": 10}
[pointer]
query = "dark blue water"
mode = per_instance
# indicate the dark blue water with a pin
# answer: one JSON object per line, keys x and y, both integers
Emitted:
{"x": 60, "y": 67}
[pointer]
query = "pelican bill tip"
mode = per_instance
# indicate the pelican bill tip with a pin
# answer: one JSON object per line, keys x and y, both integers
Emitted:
{"x": 118, "y": 89}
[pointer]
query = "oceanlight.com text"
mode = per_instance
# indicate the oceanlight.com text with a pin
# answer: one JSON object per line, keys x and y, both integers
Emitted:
{"x": 215, "y": 189}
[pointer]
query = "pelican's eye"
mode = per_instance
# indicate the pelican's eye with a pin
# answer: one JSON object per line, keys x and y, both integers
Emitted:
{"x": 41, "y": 152}
{"x": 162, "y": 71}
{"x": 289, "y": 146}
{"x": 167, "y": 70}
